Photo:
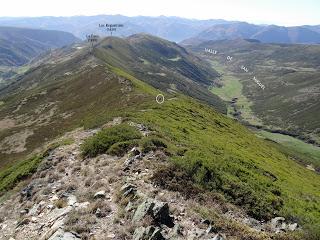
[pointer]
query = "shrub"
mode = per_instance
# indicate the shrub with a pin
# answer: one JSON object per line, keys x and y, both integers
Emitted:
{"x": 104, "y": 139}
{"x": 152, "y": 143}
{"x": 175, "y": 178}
{"x": 10, "y": 176}
{"x": 120, "y": 148}
{"x": 199, "y": 179}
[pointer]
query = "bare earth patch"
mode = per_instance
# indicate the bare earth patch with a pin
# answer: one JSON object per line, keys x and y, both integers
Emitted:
{"x": 16, "y": 142}
{"x": 6, "y": 123}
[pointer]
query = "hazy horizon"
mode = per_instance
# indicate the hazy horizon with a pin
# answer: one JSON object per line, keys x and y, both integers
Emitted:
{"x": 284, "y": 13}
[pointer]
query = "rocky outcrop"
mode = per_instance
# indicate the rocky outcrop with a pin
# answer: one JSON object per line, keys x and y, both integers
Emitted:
{"x": 158, "y": 211}
{"x": 148, "y": 233}
{"x": 100, "y": 194}
{"x": 278, "y": 225}
{"x": 218, "y": 237}
{"x": 62, "y": 235}
{"x": 26, "y": 193}
{"x": 128, "y": 189}
{"x": 134, "y": 155}
{"x": 161, "y": 214}
{"x": 144, "y": 209}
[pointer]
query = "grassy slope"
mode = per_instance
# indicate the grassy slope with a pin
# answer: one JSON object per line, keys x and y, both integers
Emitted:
{"x": 304, "y": 152}
{"x": 220, "y": 154}
{"x": 231, "y": 153}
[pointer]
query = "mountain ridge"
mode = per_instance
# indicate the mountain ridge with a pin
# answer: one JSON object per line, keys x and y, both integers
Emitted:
{"x": 266, "y": 34}
{"x": 183, "y": 148}
{"x": 20, "y": 45}
{"x": 163, "y": 64}
{"x": 171, "y": 28}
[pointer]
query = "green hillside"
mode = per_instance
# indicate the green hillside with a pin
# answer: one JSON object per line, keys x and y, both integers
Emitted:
{"x": 19, "y": 45}
{"x": 162, "y": 64}
{"x": 290, "y": 73}
{"x": 215, "y": 153}
{"x": 223, "y": 156}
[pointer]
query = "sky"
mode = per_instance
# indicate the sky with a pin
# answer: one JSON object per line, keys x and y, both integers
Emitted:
{"x": 280, "y": 12}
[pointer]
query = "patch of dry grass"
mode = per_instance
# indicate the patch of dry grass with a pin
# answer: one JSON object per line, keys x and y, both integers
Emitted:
{"x": 61, "y": 203}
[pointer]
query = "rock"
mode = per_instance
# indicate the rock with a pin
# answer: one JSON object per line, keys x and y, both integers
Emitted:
{"x": 128, "y": 189}
{"x": 139, "y": 233}
{"x": 196, "y": 234}
{"x": 129, "y": 207}
{"x": 209, "y": 229}
{"x": 276, "y": 220}
{"x": 23, "y": 222}
{"x": 161, "y": 214}
{"x": 206, "y": 221}
{"x": 53, "y": 198}
{"x": 292, "y": 226}
{"x": 63, "y": 195}
{"x": 3, "y": 226}
{"x": 98, "y": 213}
{"x": 72, "y": 200}
{"x": 135, "y": 151}
{"x": 100, "y": 194}
{"x": 143, "y": 209}
{"x": 62, "y": 235}
{"x": 82, "y": 205}
{"x": 58, "y": 213}
{"x": 50, "y": 206}
{"x": 138, "y": 157}
{"x": 156, "y": 235}
{"x": 219, "y": 237}
{"x": 24, "y": 211}
{"x": 159, "y": 211}
{"x": 177, "y": 230}
{"x": 128, "y": 162}
{"x": 148, "y": 233}
{"x": 277, "y": 224}
{"x": 27, "y": 192}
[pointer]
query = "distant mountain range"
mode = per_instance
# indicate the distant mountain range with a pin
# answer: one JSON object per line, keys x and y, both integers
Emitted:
{"x": 171, "y": 28}
{"x": 19, "y": 45}
{"x": 266, "y": 34}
